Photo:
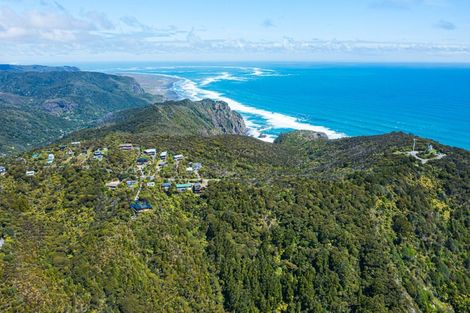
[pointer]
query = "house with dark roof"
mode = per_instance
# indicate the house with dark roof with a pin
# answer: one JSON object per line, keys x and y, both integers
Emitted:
{"x": 140, "y": 205}
{"x": 166, "y": 186}
{"x": 126, "y": 146}
{"x": 151, "y": 152}
{"x": 98, "y": 155}
{"x": 142, "y": 161}
{"x": 197, "y": 188}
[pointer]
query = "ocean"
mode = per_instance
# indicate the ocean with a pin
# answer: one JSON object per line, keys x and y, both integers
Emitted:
{"x": 340, "y": 100}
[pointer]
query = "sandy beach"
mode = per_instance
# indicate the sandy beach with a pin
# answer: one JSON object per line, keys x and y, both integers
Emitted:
{"x": 159, "y": 85}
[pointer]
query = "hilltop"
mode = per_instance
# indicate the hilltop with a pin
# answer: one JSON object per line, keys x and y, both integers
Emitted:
{"x": 174, "y": 118}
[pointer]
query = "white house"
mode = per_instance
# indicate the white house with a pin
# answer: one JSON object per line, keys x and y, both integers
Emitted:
{"x": 151, "y": 152}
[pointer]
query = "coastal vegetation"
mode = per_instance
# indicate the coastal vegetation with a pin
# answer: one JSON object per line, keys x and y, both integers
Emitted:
{"x": 347, "y": 225}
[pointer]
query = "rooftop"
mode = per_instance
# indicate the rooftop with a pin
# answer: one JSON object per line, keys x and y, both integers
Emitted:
{"x": 140, "y": 205}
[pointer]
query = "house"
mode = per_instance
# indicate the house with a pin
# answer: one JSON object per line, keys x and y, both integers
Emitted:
{"x": 163, "y": 155}
{"x": 183, "y": 187}
{"x": 142, "y": 161}
{"x": 30, "y": 173}
{"x": 178, "y": 157}
{"x": 197, "y": 166}
{"x": 197, "y": 188}
{"x": 126, "y": 147}
{"x": 75, "y": 143}
{"x": 50, "y": 158}
{"x": 189, "y": 169}
{"x": 98, "y": 155}
{"x": 151, "y": 184}
{"x": 113, "y": 184}
{"x": 161, "y": 164}
{"x": 166, "y": 186}
{"x": 140, "y": 206}
{"x": 131, "y": 183}
{"x": 3, "y": 170}
{"x": 70, "y": 152}
{"x": 151, "y": 152}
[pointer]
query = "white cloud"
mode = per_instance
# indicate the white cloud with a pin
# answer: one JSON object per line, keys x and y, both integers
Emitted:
{"x": 53, "y": 31}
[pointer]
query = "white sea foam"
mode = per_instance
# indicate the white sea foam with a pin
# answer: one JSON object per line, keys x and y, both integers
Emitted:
{"x": 260, "y": 72}
{"x": 222, "y": 76}
{"x": 188, "y": 89}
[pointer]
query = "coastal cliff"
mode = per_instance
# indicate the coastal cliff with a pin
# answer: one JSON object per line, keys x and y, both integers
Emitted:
{"x": 176, "y": 118}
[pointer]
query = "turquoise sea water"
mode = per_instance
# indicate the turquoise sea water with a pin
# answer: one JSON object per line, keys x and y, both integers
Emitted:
{"x": 340, "y": 99}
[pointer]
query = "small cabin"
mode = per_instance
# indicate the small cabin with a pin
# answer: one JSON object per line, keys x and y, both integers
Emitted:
{"x": 183, "y": 187}
{"x": 131, "y": 183}
{"x": 30, "y": 173}
{"x": 142, "y": 161}
{"x": 197, "y": 188}
{"x": 50, "y": 158}
{"x": 178, "y": 157}
{"x": 140, "y": 206}
{"x": 151, "y": 152}
{"x": 166, "y": 186}
{"x": 189, "y": 169}
{"x": 98, "y": 155}
{"x": 76, "y": 143}
{"x": 3, "y": 170}
{"x": 113, "y": 184}
{"x": 161, "y": 164}
{"x": 163, "y": 155}
{"x": 126, "y": 147}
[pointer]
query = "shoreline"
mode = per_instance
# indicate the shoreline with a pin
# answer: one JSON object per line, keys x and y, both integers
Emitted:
{"x": 179, "y": 88}
{"x": 157, "y": 85}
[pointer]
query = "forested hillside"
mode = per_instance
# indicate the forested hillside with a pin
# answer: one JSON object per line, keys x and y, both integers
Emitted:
{"x": 41, "y": 104}
{"x": 350, "y": 225}
{"x": 174, "y": 118}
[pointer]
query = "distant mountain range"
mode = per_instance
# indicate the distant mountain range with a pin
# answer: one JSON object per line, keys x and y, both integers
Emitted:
{"x": 36, "y": 68}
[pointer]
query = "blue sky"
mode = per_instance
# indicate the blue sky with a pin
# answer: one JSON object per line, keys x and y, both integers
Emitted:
{"x": 33, "y": 31}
